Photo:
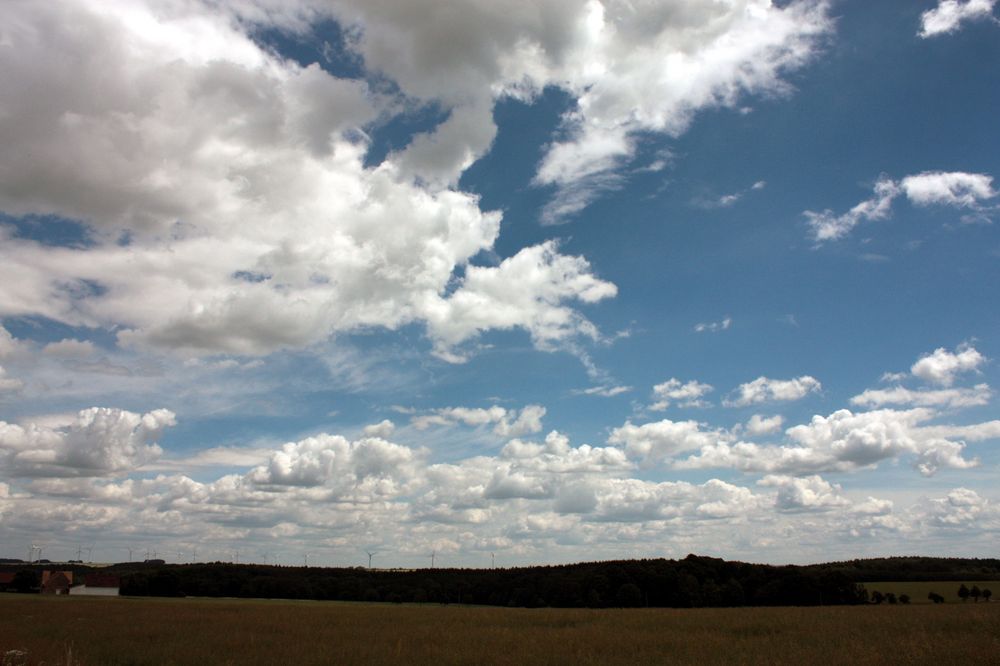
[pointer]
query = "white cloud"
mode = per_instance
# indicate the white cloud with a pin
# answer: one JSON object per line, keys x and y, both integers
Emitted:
{"x": 99, "y": 442}
{"x": 949, "y": 15}
{"x": 687, "y": 394}
{"x": 333, "y": 461}
{"x": 842, "y": 442}
{"x": 9, "y": 345}
{"x": 714, "y": 326}
{"x": 961, "y": 507}
{"x": 957, "y": 189}
{"x": 662, "y": 440}
{"x": 764, "y": 389}
{"x": 9, "y": 383}
{"x": 506, "y": 423}
{"x": 603, "y": 391}
{"x": 764, "y": 425}
{"x": 827, "y": 226}
{"x": 537, "y": 502}
{"x": 69, "y": 348}
{"x": 727, "y": 200}
{"x": 953, "y": 398}
{"x": 806, "y": 493}
{"x": 962, "y": 190}
{"x": 942, "y": 366}
{"x": 640, "y": 68}
{"x": 237, "y": 180}
{"x": 382, "y": 429}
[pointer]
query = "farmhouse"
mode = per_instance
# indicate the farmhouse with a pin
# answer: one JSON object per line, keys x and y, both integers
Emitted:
{"x": 98, "y": 585}
{"x": 56, "y": 582}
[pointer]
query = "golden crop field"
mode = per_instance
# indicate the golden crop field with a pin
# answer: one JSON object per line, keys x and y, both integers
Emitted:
{"x": 90, "y": 631}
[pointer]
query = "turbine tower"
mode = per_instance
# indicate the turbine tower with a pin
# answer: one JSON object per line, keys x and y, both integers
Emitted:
{"x": 370, "y": 555}
{"x": 433, "y": 553}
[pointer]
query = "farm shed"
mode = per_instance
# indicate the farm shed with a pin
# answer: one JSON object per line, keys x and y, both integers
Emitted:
{"x": 98, "y": 585}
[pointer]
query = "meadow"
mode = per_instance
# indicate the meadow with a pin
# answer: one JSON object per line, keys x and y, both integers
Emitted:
{"x": 918, "y": 590}
{"x": 91, "y": 631}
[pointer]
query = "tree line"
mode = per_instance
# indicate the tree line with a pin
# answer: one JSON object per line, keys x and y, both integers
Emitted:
{"x": 694, "y": 581}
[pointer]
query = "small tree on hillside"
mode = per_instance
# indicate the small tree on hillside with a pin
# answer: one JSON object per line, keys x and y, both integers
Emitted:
{"x": 877, "y": 597}
{"x": 975, "y": 593}
{"x": 963, "y": 592}
{"x": 987, "y": 594}
{"x": 935, "y": 597}
{"x": 904, "y": 598}
{"x": 890, "y": 597}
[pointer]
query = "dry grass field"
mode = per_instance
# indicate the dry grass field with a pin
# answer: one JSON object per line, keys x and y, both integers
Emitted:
{"x": 61, "y": 630}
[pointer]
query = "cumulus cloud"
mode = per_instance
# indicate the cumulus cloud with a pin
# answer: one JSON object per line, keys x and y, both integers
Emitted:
{"x": 949, "y": 15}
{"x": 333, "y": 461}
{"x": 804, "y": 493}
{"x": 686, "y": 394}
{"x": 226, "y": 194}
{"x": 328, "y": 491}
{"x": 942, "y": 366}
{"x": 382, "y": 429}
{"x": 842, "y": 442}
{"x": 98, "y": 442}
{"x": 961, "y": 507}
{"x": 764, "y": 389}
{"x": 662, "y": 440}
{"x": 957, "y": 189}
{"x": 764, "y": 425}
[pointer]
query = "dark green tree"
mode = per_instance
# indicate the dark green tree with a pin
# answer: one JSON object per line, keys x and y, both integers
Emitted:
{"x": 877, "y": 597}
{"x": 904, "y": 598}
{"x": 935, "y": 597}
{"x": 26, "y": 580}
{"x": 629, "y": 596}
{"x": 891, "y": 597}
{"x": 987, "y": 594}
{"x": 975, "y": 593}
{"x": 963, "y": 592}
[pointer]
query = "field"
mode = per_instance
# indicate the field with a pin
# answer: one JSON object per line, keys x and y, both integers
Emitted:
{"x": 61, "y": 630}
{"x": 947, "y": 589}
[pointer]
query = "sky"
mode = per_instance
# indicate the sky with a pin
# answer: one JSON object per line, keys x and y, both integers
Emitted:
{"x": 568, "y": 280}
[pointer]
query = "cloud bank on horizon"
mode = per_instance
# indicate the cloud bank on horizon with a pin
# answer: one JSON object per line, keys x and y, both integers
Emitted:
{"x": 288, "y": 275}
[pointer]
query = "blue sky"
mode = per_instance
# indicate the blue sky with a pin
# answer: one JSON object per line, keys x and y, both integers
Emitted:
{"x": 557, "y": 281}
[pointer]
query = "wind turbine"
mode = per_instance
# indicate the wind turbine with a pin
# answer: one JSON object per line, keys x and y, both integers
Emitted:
{"x": 129, "y": 554}
{"x": 433, "y": 553}
{"x": 305, "y": 560}
{"x": 370, "y": 554}
{"x": 493, "y": 560}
